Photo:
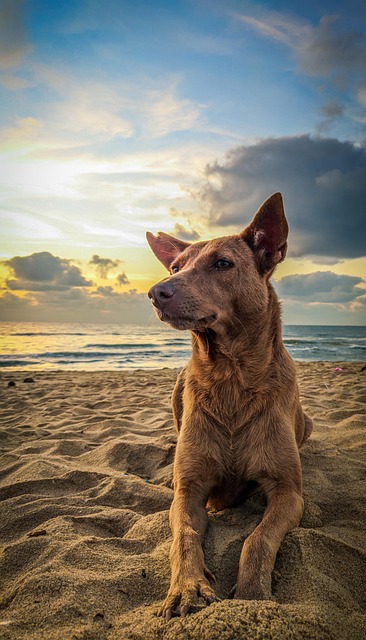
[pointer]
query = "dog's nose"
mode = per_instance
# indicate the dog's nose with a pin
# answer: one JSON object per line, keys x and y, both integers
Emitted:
{"x": 161, "y": 292}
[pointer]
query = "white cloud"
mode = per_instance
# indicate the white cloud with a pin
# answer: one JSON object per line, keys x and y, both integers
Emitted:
{"x": 22, "y": 134}
{"x": 109, "y": 109}
{"x": 166, "y": 113}
{"x": 279, "y": 27}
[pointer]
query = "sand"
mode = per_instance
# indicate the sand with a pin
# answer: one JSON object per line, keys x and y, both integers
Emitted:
{"x": 85, "y": 489}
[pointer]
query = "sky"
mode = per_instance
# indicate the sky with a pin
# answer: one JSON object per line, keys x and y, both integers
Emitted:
{"x": 120, "y": 117}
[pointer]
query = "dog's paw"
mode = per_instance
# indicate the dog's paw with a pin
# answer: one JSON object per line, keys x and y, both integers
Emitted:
{"x": 249, "y": 592}
{"x": 183, "y": 597}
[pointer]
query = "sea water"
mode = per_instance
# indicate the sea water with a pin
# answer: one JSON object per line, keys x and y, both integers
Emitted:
{"x": 32, "y": 346}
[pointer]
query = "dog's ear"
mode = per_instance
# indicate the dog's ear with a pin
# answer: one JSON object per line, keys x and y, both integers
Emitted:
{"x": 267, "y": 234}
{"x": 165, "y": 247}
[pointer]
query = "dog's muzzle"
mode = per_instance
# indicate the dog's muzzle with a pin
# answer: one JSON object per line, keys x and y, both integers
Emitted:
{"x": 170, "y": 308}
{"x": 160, "y": 294}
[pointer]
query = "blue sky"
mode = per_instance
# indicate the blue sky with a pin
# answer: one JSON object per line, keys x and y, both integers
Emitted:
{"x": 120, "y": 117}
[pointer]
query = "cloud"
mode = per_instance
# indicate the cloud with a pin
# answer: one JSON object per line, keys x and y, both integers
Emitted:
{"x": 190, "y": 235}
{"x": 107, "y": 292}
{"x": 323, "y": 182}
{"x": 278, "y": 27}
{"x": 84, "y": 106}
{"x": 321, "y": 286}
{"x": 325, "y": 51}
{"x": 77, "y": 305}
{"x": 122, "y": 279}
{"x": 55, "y": 290}
{"x": 104, "y": 265}
{"x": 112, "y": 109}
{"x": 24, "y": 131}
{"x": 12, "y": 82}
{"x": 44, "y": 272}
{"x": 322, "y": 297}
{"x": 14, "y": 44}
{"x": 331, "y": 112}
{"x": 359, "y": 306}
{"x": 166, "y": 113}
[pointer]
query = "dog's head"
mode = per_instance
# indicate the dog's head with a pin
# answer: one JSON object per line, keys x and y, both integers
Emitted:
{"x": 214, "y": 283}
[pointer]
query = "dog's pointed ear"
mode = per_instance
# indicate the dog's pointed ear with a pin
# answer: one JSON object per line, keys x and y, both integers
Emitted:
{"x": 166, "y": 247}
{"x": 267, "y": 234}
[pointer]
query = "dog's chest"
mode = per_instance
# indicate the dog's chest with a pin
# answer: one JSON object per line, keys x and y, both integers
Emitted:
{"x": 234, "y": 437}
{"x": 232, "y": 405}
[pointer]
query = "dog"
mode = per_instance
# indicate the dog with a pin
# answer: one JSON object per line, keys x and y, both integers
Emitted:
{"x": 236, "y": 404}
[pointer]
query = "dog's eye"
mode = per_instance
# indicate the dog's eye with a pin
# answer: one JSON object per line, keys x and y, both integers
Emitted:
{"x": 222, "y": 264}
{"x": 175, "y": 269}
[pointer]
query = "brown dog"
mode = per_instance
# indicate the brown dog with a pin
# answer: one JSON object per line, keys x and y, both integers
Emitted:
{"x": 236, "y": 404}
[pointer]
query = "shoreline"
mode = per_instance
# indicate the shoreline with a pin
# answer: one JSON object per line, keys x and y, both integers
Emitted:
{"x": 85, "y": 489}
{"x": 4, "y": 371}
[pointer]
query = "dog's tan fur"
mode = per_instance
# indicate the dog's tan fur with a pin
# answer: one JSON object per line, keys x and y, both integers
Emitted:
{"x": 236, "y": 404}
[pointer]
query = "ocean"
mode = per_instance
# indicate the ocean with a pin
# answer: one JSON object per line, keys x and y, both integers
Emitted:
{"x": 92, "y": 347}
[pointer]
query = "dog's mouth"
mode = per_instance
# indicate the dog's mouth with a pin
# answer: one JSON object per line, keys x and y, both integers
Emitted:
{"x": 187, "y": 322}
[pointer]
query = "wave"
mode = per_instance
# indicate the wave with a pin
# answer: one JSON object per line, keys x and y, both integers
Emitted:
{"x": 323, "y": 340}
{"x": 89, "y": 354}
{"x": 92, "y": 347}
{"x": 125, "y": 346}
{"x": 36, "y": 334}
{"x": 16, "y": 363}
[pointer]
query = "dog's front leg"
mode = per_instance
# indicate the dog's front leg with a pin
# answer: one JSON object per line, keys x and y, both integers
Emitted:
{"x": 190, "y": 577}
{"x": 284, "y": 511}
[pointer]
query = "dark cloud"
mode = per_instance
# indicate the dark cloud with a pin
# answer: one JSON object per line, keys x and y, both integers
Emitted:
{"x": 122, "y": 279}
{"x": 104, "y": 265}
{"x": 321, "y": 286}
{"x": 331, "y": 112}
{"x": 190, "y": 235}
{"x": 323, "y": 182}
{"x": 331, "y": 51}
{"x": 38, "y": 267}
{"x": 44, "y": 272}
{"x": 105, "y": 291}
{"x": 14, "y": 42}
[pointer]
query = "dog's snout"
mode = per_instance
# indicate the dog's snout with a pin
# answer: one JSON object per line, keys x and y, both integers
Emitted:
{"x": 161, "y": 292}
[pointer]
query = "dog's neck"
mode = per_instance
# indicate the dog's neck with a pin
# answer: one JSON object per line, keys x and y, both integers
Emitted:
{"x": 245, "y": 347}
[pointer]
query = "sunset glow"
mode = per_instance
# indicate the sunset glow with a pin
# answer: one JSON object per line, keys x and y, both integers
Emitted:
{"x": 121, "y": 117}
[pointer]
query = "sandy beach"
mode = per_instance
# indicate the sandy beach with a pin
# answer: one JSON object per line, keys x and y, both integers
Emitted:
{"x": 85, "y": 490}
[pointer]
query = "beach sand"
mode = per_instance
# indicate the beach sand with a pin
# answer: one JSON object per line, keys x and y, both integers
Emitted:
{"x": 85, "y": 490}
